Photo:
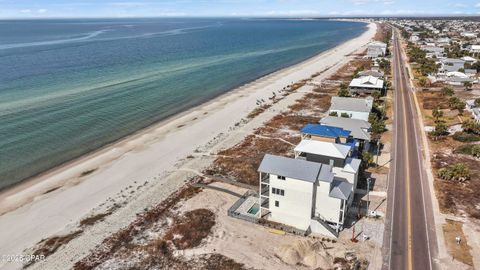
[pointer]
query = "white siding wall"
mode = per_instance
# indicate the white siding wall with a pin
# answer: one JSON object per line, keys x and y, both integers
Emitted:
{"x": 350, "y": 177}
{"x": 295, "y": 207}
{"x": 326, "y": 206}
{"x": 353, "y": 115}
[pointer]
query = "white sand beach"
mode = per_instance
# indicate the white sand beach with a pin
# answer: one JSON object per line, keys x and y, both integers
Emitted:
{"x": 57, "y": 200}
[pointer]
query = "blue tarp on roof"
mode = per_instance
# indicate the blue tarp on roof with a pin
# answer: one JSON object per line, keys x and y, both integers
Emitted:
{"x": 352, "y": 143}
{"x": 325, "y": 131}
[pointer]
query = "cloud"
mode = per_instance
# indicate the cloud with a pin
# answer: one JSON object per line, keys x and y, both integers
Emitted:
{"x": 42, "y": 10}
{"x": 364, "y": 2}
{"x": 128, "y": 4}
{"x": 26, "y": 11}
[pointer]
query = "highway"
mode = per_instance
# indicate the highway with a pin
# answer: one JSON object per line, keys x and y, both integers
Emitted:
{"x": 409, "y": 240}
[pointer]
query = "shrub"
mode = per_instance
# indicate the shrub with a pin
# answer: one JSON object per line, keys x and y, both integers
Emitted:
{"x": 191, "y": 229}
{"x": 476, "y": 150}
{"x": 367, "y": 158}
{"x": 457, "y": 172}
{"x": 343, "y": 92}
{"x": 471, "y": 127}
{"x": 465, "y": 137}
{"x": 447, "y": 91}
{"x": 440, "y": 129}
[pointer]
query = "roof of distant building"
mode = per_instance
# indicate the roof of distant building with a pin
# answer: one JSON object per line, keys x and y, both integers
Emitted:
{"x": 367, "y": 82}
{"x": 374, "y": 73}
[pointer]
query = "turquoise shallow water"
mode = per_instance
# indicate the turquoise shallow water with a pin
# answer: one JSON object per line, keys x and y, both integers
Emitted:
{"x": 68, "y": 87}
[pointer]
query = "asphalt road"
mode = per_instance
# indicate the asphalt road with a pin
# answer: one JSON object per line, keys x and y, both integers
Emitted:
{"x": 409, "y": 241}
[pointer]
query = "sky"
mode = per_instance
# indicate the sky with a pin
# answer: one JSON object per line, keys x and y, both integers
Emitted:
{"x": 234, "y": 8}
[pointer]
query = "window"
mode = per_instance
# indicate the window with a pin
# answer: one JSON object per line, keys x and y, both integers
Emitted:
{"x": 277, "y": 204}
{"x": 280, "y": 177}
{"x": 278, "y": 191}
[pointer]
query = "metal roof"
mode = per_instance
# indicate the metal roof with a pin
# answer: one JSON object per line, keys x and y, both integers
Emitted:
{"x": 351, "y": 104}
{"x": 367, "y": 82}
{"x": 340, "y": 189}
{"x": 374, "y": 73}
{"x": 296, "y": 168}
{"x": 359, "y": 128}
{"x": 325, "y": 131}
{"x": 352, "y": 165}
{"x": 320, "y": 148}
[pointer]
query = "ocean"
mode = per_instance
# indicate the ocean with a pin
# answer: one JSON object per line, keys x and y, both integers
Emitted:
{"x": 68, "y": 87}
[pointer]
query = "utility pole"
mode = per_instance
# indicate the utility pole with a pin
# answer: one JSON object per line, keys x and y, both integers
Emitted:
{"x": 368, "y": 194}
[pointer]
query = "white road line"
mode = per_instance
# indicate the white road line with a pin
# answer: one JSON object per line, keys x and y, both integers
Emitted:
{"x": 394, "y": 164}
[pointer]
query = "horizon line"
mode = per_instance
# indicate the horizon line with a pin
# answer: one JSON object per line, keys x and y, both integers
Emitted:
{"x": 252, "y": 16}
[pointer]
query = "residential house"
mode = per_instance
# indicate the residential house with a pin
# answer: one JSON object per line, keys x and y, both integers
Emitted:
{"x": 472, "y": 107}
{"x": 303, "y": 194}
{"x": 443, "y": 41}
{"x": 470, "y": 104}
{"x": 359, "y": 129}
{"x": 458, "y": 78}
{"x": 473, "y": 48}
{"x": 468, "y": 34}
{"x": 476, "y": 114}
{"x": 433, "y": 52}
{"x": 356, "y": 108}
{"x": 470, "y": 72}
{"x": 373, "y": 73}
{"x": 325, "y": 133}
{"x": 450, "y": 65}
{"x": 469, "y": 60}
{"x": 338, "y": 156}
{"x": 376, "y": 49}
{"x": 366, "y": 85}
{"x": 414, "y": 38}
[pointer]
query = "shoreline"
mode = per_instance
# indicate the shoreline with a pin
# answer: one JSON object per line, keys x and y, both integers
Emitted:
{"x": 37, "y": 177}
{"x": 166, "y": 118}
{"x": 145, "y": 154}
{"x": 68, "y": 164}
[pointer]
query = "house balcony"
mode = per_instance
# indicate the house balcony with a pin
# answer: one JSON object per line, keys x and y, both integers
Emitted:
{"x": 265, "y": 178}
{"x": 265, "y": 190}
{"x": 265, "y": 203}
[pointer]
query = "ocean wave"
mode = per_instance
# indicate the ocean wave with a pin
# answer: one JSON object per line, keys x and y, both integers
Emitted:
{"x": 53, "y": 42}
{"x": 90, "y": 36}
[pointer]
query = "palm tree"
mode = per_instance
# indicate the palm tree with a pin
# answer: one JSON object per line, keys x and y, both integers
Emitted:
{"x": 437, "y": 114}
{"x": 422, "y": 81}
